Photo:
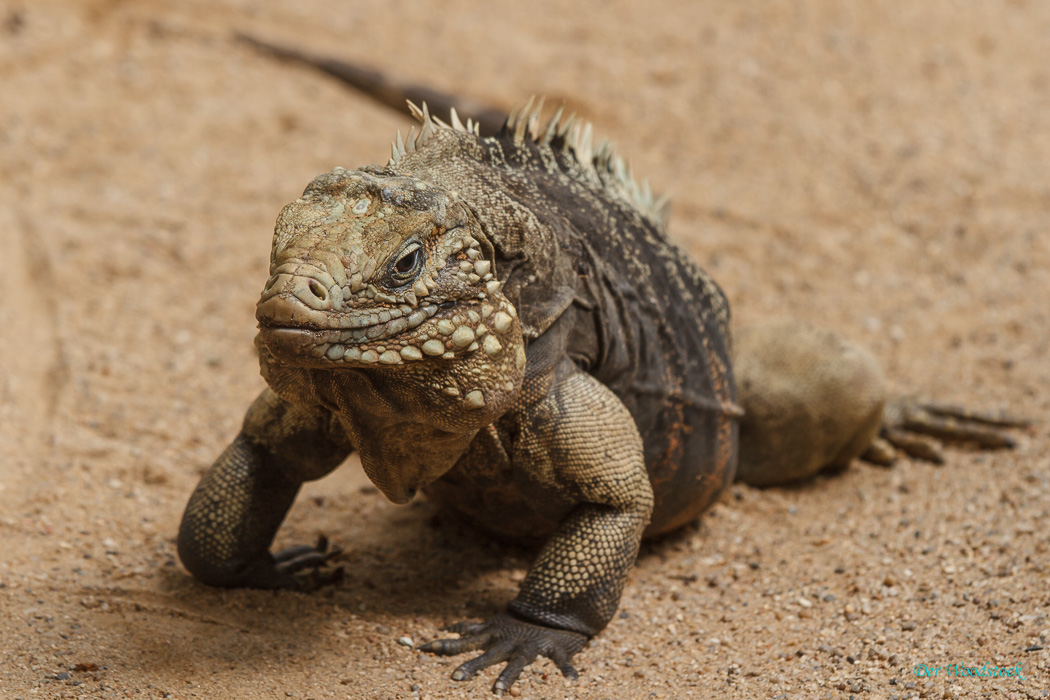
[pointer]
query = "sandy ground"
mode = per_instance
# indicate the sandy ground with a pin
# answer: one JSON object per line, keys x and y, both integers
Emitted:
{"x": 878, "y": 168}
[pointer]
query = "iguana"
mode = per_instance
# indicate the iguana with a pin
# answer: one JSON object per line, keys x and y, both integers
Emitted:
{"x": 504, "y": 323}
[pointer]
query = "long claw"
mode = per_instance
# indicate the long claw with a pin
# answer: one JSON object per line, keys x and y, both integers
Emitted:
{"x": 510, "y": 673}
{"x": 301, "y": 549}
{"x": 295, "y": 559}
{"x": 451, "y": 647}
{"x": 564, "y": 663}
{"x": 996, "y": 418}
{"x": 949, "y": 428}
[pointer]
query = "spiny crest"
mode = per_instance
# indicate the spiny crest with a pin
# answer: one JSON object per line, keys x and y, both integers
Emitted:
{"x": 600, "y": 164}
{"x": 400, "y": 147}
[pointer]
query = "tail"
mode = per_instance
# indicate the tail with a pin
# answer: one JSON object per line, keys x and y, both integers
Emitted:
{"x": 383, "y": 89}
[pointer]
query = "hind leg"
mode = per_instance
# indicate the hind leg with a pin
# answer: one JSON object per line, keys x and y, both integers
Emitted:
{"x": 812, "y": 401}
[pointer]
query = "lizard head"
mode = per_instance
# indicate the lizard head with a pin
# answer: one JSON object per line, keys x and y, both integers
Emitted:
{"x": 383, "y": 301}
{"x": 371, "y": 270}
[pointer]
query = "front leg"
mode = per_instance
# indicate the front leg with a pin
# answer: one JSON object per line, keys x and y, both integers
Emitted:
{"x": 580, "y": 444}
{"x": 236, "y": 509}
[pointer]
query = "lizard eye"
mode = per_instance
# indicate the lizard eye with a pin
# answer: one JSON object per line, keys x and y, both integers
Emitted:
{"x": 407, "y": 266}
{"x": 407, "y": 262}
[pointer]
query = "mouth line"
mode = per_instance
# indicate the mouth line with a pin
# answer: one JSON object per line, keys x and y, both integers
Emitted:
{"x": 328, "y": 349}
{"x": 362, "y": 328}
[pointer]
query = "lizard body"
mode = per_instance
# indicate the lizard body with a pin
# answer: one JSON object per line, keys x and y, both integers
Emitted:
{"x": 504, "y": 323}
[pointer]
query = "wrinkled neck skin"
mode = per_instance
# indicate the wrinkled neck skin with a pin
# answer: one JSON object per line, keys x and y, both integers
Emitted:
{"x": 411, "y": 423}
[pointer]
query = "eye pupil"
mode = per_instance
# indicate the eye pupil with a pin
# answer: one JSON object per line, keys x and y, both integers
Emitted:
{"x": 406, "y": 263}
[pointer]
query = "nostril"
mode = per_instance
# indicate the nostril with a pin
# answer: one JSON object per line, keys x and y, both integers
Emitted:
{"x": 318, "y": 290}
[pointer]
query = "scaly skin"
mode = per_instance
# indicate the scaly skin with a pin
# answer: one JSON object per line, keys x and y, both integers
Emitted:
{"x": 814, "y": 402}
{"x": 504, "y": 323}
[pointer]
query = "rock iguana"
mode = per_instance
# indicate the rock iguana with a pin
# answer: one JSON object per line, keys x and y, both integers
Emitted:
{"x": 504, "y": 323}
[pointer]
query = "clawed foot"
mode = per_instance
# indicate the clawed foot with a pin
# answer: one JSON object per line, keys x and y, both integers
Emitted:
{"x": 291, "y": 562}
{"x": 919, "y": 427}
{"x": 293, "y": 569}
{"x": 506, "y": 638}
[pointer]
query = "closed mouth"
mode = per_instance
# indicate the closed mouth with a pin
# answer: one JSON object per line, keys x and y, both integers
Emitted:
{"x": 355, "y": 329}
{"x": 349, "y": 342}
